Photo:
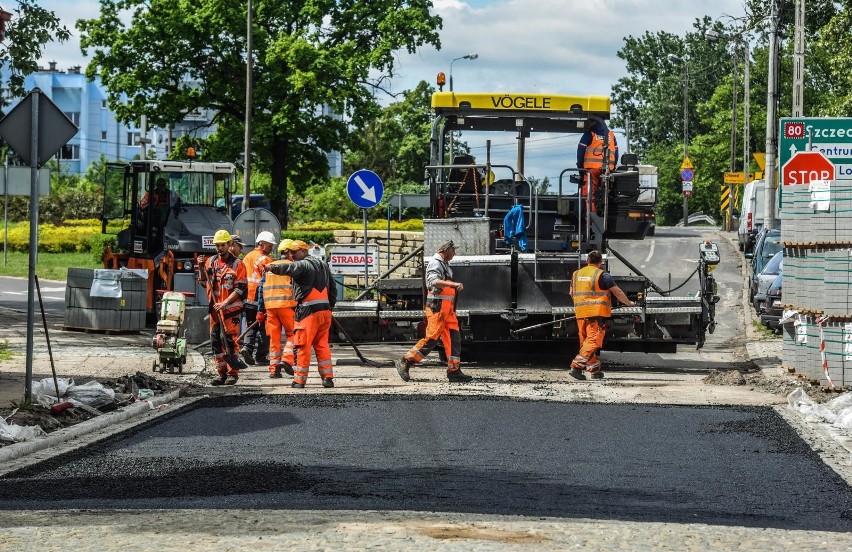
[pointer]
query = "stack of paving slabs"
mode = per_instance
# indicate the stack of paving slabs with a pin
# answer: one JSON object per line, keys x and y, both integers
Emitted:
{"x": 816, "y": 230}
{"x": 105, "y": 300}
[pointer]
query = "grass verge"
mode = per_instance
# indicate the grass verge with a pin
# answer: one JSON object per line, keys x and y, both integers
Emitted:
{"x": 50, "y": 266}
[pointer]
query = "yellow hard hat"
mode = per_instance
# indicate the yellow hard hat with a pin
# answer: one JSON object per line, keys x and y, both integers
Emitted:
{"x": 221, "y": 236}
{"x": 298, "y": 244}
{"x": 284, "y": 245}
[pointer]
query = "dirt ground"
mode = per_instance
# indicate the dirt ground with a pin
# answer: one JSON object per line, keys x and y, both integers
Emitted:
{"x": 752, "y": 377}
{"x": 126, "y": 388}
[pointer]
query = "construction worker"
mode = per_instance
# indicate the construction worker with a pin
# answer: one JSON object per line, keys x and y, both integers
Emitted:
{"x": 590, "y": 152}
{"x": 591, "y": 291}
{"x": 441, "y": 321}
{"x": 276, "y": 302}
{"x": 256, "y": 344}
{"x": 316, "y": 295}
{"x": 224, "y": 276}
{"x": 236, "y": 247}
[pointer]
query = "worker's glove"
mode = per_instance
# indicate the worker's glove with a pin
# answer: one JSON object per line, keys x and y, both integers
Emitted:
{"x": 260, "y": 317}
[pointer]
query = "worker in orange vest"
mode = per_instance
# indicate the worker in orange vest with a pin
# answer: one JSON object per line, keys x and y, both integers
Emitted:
{"x": 256, "y": 344}
{"x": 590, "y": 155}
{"x": 276, "y": 302}
{"x": 224, "y": 276}
{"x": 441, "y": 322}
{"x": 316, "y": 295}
{"x": 591, "y": 291}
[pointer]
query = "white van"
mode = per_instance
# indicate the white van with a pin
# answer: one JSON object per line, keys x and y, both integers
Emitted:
{"x": 751, "y": 213}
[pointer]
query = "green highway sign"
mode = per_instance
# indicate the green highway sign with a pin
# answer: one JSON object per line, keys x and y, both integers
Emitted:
{"x": 831, "y": 136}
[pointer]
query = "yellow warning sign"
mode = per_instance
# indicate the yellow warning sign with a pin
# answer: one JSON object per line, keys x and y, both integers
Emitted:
{"x": 725, "y": 199}
{"x": 687, "y": 164}
{"x": 760, "y": 158}
{"x": 736, "y": 178}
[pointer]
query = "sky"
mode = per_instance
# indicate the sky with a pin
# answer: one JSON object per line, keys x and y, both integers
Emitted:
{"x": 529, "y": 46}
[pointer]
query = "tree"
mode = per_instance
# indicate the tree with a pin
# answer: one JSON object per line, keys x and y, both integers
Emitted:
{"x": 29, "y": 30}
{"x": 317, "y": 64}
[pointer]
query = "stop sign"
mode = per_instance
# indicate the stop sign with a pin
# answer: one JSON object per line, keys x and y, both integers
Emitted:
{"x": 806, "y": 166}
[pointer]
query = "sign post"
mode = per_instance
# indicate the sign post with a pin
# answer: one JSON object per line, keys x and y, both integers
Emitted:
{"x": 686, "y": 175}
{"x": 35, "y": 129}
{"x": 365, "y": 189}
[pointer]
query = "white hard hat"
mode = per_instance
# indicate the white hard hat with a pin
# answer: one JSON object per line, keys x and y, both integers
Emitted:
{"x": 266, "y": 237}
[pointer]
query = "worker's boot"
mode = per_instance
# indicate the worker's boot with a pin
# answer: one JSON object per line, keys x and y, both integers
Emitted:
{"x": 402, "y": 366}
{"x": 220, "y": 380}
{"x": 576, "y": 373}
{"x": 327, "y": 382}
{"x": 457, "y": 376}
{"x": 595, "y": 371}
{"x": 598, "y": 375}
{"x": 275, "y": 374}
{"x": 295, "y": 385}
{"x": 248, "y": 357}
{"x": 231, "y": 380}
{"x": 288, "y": 368}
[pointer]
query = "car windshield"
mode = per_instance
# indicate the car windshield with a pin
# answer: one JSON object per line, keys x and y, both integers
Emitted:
{"x": 775, "y": 288}
{"x": 774, "y": 265}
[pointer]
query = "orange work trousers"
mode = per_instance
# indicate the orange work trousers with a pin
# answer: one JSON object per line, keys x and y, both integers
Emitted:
{"x": 593, "y": 177}
{"x": 591, "y": 332}
{"x": 312, "y": 333}
{"x": 280, "y": 322}
{"x": 225, "y": 351}
{"x": 443, "y": 327}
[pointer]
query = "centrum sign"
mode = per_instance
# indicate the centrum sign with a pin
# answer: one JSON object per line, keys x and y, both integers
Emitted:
{"x": 830, "y": 136}
{"x": 349, "y": 258}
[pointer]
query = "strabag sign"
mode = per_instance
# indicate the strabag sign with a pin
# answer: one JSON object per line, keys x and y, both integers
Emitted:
{"x": 349, "y": 259}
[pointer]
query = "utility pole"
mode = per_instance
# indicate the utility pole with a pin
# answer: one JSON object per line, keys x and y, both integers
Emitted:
{"x": 799, "y": 61}
{"x": 729, "y": 215}
{"x": 249, "y": 83}
{"x": 771, "y": 119}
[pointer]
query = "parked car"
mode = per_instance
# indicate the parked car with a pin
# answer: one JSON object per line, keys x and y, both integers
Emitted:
{"x": 762, "y": 281}
{"x": 771, "y": 311}
{"x": 255, "y": 200}
{"x": 751, "y": 214}
{"x": 768, "y": 244}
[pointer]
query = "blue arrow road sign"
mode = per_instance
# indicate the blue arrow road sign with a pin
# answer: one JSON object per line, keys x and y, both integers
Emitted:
{"x": 686, "y": 174}
{"x": 365, "y": 188}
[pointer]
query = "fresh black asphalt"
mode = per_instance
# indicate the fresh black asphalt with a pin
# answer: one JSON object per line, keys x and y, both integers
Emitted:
{"x": 716, "y": 465}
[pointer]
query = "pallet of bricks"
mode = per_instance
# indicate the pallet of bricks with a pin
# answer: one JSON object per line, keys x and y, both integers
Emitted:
{"x": 393, "y": 248}
{"x": 816, "y": 229}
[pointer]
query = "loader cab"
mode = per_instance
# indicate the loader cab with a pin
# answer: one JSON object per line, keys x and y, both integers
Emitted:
{"x": 167, "y": 213}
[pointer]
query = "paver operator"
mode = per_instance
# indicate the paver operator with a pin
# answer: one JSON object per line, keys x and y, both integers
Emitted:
{"x": 224, "y": 276}
{"x": 316, "y": 295}
{"x": 591, "y": 291}
{"x": 441, "y": 321}
{"x": 590, "y": 152}
{"x": 276, "y": 302}
{"x": 256, "y": 339}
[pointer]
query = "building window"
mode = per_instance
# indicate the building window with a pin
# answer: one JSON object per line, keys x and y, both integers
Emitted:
{"x": 103, "y": 135}
{"x": 69, "y": 152}
{"x": 75, "y": 118}
{"x": 103, "y": 104}
{"x": 133, "y": 138}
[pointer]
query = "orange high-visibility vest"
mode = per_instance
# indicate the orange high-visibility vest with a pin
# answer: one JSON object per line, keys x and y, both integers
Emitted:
{"x": 255, "y": 260}
{"x": 589, "y": 299}
{"x": 593, "y": 158}
{"x": 223, "y": 277}
{"x": 278, "y": 290}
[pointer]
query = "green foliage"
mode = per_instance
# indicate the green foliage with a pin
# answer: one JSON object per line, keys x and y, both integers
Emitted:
{"x": 30, "y": 29}
{"x": 315, "y": 70}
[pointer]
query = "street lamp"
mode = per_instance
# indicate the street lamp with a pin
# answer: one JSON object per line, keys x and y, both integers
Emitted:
{"x": 738, "y": 40}
{"x": 677, "y": 59}
{"x": 248, "y": 129}
{"x": 469, "y": 56}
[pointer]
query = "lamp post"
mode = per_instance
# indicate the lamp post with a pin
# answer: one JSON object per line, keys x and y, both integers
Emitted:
{"x": 469, "y": 56}
{"x": 676, "y": 59}
{"x": 247, "y": 143}
{"x": 738, "y": 41}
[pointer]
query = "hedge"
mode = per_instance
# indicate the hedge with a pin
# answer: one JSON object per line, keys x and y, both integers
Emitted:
{"x": 85, "y": 235}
